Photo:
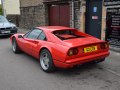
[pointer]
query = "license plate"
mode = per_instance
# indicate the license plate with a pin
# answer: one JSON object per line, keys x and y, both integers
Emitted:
{"x": 90, "y": 49}
{"x": 4, "y": 32}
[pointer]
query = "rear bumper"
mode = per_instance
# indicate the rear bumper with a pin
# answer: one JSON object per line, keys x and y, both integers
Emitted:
{"x": 78, "y": 61}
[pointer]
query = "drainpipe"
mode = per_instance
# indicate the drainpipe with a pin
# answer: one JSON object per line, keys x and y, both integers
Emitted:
{"x": 73, "y": 13}
{"x": 3, "y": 10}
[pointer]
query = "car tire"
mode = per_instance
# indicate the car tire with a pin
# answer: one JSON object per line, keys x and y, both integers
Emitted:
{"x": 15, "y": 46}
{"x": 46, "y": 61}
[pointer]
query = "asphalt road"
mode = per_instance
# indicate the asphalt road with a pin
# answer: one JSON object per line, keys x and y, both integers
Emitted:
{"x": 22, "y": 72}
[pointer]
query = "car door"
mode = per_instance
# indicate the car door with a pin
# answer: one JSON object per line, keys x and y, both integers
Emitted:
{"x": 38, "y": 43}
{"x": 22, "y": 42}
{"x": 29, "y": 41}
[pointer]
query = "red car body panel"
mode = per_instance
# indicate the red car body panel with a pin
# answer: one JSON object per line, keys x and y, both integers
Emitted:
{"x": 78, "y": 61}
{"x": 59, "y": 48}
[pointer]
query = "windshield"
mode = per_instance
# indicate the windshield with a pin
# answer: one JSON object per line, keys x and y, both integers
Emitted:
{"x": 3, "y": 19}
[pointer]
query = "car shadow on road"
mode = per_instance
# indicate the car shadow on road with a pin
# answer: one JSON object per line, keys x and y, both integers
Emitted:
{"x": 64, "y": 72}
{"x": 78, "y": 69}
{"x": 75, "y": 70}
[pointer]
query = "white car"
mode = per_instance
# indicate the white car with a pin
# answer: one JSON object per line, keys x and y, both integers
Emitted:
{"x": 6, "y": 27}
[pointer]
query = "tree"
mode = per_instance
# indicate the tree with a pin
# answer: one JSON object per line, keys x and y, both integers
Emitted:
{"x": 0, "y": 9}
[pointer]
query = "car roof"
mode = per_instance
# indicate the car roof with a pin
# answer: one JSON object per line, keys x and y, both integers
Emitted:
{"x": 53, "y": 28}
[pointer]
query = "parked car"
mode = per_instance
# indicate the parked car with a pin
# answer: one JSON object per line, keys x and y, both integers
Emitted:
{"x": 6, "y": 27}
{"x": 57, "y": 46}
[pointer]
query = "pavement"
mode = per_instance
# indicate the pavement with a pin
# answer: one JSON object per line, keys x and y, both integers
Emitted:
{"x": 22, "y": 72}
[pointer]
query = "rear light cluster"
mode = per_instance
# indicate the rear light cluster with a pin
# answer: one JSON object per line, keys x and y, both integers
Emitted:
{"x": 104, "y": 45}
{"x": 73, "y": 51}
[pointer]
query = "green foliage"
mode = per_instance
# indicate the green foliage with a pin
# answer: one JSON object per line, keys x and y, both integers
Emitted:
{"x": 0, "y": 9}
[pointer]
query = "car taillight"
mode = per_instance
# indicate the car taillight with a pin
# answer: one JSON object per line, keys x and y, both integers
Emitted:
{"x": 104, "y": 45}
{"x": 73, "y": 51}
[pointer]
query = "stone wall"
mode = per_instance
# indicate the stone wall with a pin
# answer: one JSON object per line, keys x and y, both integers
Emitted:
{"x": 32, "y": 16}
{"x": 27, "y": 3}
{"x": 14, "y": 19}
{"x": 35, "y": 13}
{"x": 77, "y": 13}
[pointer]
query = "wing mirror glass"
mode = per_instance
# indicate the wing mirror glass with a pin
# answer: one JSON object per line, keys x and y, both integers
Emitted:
{"x": 10, "y": 20}
{"x": 20, "y": 36}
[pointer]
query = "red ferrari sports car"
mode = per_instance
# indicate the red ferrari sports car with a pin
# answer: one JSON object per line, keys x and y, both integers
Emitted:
{"x": 57, "y": 46}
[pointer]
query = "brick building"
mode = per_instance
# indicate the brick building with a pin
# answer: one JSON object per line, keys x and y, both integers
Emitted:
{"x": 37, "y": 12}
{"x": 72, "y": 13}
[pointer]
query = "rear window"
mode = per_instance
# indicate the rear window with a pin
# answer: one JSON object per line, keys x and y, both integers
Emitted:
{"x": 67, "y": 34}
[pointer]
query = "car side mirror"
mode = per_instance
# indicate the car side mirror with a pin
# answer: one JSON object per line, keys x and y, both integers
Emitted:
{"x": 10, "y": 20}
{"x": 20, "y": 36}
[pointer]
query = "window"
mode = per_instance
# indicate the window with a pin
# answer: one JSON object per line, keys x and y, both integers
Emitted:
{"x": 25, "y": 35}
{"x": 67, "y": 34}
{"x": 34, "y": 34}
{"x": 42, "y": 36}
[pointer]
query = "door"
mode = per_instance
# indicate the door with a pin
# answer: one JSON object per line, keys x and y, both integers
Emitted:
{"x": 59, "y": 15}
{"x": 93, "y": 17}
{"x": 27, "y": 45}
{"x": 38, "y": 43}
{"x": 29, "y": 41}
{"x": 54, "y": 15}
{"x": 64, "y": 15}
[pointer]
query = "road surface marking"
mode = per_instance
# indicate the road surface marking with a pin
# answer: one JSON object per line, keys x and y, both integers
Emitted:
{"x": 109, "y": 70}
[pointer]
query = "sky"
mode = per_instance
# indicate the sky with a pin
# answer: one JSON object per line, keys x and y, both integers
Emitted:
{"x": 0, "y": 1}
